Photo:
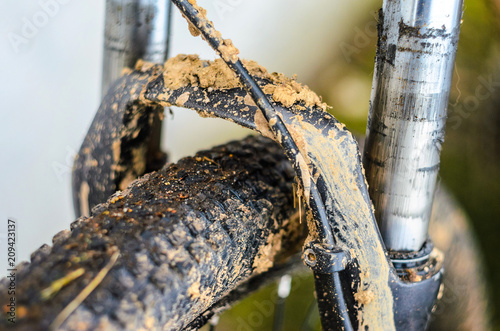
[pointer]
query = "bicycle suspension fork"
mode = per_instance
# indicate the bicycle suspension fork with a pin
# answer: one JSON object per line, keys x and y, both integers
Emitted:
{"x": 411, "y": 86}
{"x": 134, "y": 29}
{"x": 412, "y": 79}
{"x": 354, "y": 261}
{"x": 357, "y": 285}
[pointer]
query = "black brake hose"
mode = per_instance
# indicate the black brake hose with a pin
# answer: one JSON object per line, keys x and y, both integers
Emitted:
{"x": 229, "y": 54}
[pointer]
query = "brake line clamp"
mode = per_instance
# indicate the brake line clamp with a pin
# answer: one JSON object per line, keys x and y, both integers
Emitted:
{"x": 324, "y": 259}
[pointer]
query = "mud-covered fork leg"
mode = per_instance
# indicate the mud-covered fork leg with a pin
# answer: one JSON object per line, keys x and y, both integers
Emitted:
{"x": 125, "y": 142}
{"x": 137, "y": 29}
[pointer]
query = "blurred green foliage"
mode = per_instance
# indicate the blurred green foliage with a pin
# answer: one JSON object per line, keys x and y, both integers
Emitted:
{"x": 257, "y": 311}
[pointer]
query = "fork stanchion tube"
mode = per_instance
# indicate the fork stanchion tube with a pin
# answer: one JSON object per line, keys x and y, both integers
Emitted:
{"x": 411, "y": 85}
{"x": 134, "y": 29}
{"x": 137, "y": 29}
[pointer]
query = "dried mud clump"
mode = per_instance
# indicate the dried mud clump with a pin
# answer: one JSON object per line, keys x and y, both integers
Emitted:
{"x": 184, "y": 70}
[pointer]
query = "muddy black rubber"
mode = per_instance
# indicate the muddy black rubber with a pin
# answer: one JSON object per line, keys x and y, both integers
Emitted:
{"x": 187, "y": 235}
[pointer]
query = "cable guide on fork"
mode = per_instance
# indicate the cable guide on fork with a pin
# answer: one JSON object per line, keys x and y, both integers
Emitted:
{"x": 323, "y": 259}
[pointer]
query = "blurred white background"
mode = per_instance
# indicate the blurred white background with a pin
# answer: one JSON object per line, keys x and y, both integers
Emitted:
{"x": 50, "y": 86}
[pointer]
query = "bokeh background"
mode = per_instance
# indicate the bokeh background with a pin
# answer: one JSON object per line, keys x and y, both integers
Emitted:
{"x": 50, "y": 90}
